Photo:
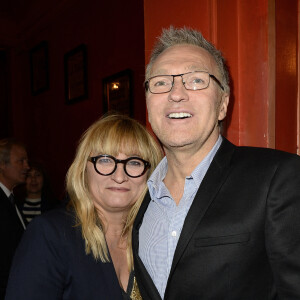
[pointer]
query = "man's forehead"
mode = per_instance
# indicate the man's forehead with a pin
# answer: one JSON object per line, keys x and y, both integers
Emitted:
{"x": 18, "y": 150}
{"x": 185, "y": 58}
{"x": 187, "y": 68}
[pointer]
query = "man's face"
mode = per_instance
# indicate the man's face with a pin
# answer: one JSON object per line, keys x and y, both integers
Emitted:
{"x": 14, "y": 172}
{"x": 203, "y": 108}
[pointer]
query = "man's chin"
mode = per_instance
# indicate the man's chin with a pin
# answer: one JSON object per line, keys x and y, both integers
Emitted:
{"x": 177, "y": 144}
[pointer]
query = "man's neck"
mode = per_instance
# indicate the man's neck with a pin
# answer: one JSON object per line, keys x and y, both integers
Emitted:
{"x": 181, "y": 163}
{"x": 7, "y": 183}
{"x": 183, "y": 160}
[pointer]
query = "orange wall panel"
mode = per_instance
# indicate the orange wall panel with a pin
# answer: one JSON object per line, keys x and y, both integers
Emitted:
{"x": 161, "y": 14}
{"x": 286, "y": 74}
{"x": 253, "y": 63}
{"x": 226, "y": 39}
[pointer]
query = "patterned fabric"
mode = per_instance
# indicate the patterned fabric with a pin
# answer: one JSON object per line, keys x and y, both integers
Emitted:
{"x": 135, "y": 293}
{"x": 31, "y": 208}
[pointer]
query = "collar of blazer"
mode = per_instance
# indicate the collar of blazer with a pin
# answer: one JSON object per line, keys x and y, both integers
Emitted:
{"x": 209, "y": 188}
{"x": 219, "y": 164}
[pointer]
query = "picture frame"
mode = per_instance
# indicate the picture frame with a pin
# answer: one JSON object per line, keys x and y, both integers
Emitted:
{"x": 76, "y": 78}
{"x": 117, "y": 93}
{"x": 39, "y": 68}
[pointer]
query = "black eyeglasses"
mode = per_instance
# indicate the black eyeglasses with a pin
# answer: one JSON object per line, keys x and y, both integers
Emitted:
{"x": 106, "y": 165}
{"x": 197, "y": 80}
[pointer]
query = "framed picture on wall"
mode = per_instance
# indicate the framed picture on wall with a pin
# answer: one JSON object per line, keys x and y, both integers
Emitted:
{"x": 76, "y": 81}
{"x": 39, "y": 68}
{"x": 117, "y": 93}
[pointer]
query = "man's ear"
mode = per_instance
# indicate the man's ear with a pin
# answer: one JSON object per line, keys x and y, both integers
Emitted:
{"x": 223, "y": 106}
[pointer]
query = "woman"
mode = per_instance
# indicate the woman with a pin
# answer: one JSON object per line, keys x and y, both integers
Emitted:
{"x": 35, "y": 196}
{"x": 84, "y": 252}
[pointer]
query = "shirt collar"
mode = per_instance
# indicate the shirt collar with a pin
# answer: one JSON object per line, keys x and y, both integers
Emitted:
{"x": 5, "y": 189}
{"x": 157, "y": 177}
{"x": 200, "y": 171}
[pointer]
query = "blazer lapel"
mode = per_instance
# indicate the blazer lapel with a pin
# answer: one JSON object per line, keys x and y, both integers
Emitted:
{"x": 144, "y": 280}
{"x": 212, "y": 182}
{"x": 9, "y": 207}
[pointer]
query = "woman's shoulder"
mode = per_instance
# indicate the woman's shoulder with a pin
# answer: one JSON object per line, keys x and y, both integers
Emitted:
{"x": 58, "y": 221}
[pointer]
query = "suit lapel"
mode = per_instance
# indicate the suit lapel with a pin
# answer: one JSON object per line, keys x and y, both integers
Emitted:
{"x": 212, "y": 182}
{"x": 6, "y": 202}
{"x": 9, "y": 207}
{"x": 144, "y": 280}
{"x": 138, "y": 222}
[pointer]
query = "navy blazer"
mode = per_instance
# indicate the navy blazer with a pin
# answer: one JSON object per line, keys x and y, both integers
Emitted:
{"x": 241, "y": 237}
{"x": 50, "y": 263}
{"x": 11, "y": 230}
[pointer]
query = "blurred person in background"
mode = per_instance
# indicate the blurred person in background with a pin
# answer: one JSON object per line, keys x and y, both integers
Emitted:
{"x": 13, "y": 171}
{"x": 35, "y": 196}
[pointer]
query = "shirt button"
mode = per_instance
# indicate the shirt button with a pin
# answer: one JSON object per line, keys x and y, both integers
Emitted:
{"x": 174, "y": 233}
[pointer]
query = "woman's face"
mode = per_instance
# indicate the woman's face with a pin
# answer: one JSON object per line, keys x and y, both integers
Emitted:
{"x": 34, "y": 182}
{"x": 116, "y": 192}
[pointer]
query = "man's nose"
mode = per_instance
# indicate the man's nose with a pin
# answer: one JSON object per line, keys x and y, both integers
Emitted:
{"x": 26, "y": 165}
{"x": 178, "y": 92}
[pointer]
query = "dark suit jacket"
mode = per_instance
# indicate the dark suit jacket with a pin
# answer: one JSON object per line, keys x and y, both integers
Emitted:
{"x": 11, "y": 231}
{"x": 50, "y": 263}
{"x": 241, "y": 237}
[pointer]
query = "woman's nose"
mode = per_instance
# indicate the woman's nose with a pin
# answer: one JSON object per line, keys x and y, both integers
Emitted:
{"x": 119, "y": 175}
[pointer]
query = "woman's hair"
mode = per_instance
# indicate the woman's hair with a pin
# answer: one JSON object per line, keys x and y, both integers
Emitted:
{"x": 111, "y": 135}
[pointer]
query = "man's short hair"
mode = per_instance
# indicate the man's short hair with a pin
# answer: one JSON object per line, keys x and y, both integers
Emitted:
{"x": 5, "y": 148}
{"x": 180, "y": 36}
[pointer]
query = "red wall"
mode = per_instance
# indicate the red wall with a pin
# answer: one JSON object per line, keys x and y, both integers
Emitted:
{"x": 286, "y": 74}
{"x": 114, "y": 34}
{"x": 246, "y": 32}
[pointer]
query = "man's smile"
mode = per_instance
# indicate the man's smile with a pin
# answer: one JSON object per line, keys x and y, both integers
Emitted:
{"x": 180, "y": 115}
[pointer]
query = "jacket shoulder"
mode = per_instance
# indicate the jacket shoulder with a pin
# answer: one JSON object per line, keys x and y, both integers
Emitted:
{"x": 256, "y": 154}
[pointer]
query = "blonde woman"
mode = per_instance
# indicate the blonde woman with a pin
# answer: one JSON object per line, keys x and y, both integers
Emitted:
{"x": 84, "y": 251}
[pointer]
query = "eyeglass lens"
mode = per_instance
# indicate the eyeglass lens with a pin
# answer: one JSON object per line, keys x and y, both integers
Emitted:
{"x": 133, "y": 167}
{"x": 192, "y": 81}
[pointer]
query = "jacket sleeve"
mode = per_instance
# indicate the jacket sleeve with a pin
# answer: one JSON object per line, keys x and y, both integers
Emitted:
{"x": 282, "y": 227}
{"x": 38, "y": 269}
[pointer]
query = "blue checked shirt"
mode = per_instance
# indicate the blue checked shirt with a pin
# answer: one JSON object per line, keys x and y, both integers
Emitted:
{"x": 163, "y": 220}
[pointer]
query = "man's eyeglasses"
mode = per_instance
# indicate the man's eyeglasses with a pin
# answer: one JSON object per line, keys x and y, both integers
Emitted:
{"x": 106, "y": 165}
{"x": 194, "y": 81}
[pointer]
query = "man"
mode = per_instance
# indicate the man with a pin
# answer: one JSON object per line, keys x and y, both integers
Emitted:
{"x": 219, "y": 221}
{"x": 13, "y": 169}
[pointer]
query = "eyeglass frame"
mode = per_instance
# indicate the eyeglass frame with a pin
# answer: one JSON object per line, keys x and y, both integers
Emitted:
{"x": 147, "y": 86}
{"x": 93, "y": 160}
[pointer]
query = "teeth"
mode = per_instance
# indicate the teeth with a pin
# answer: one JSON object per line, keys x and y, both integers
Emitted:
{"x": 181, "y": 115}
